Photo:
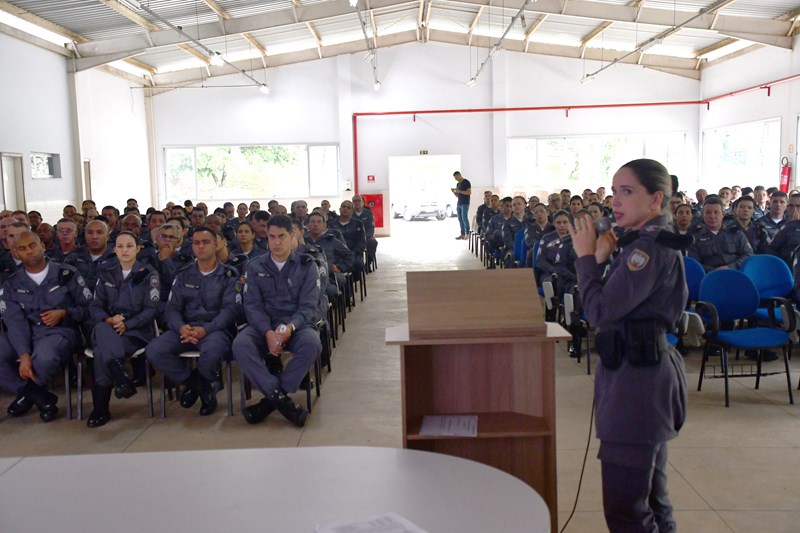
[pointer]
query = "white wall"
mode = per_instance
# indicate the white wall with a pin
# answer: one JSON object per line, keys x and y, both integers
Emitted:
{"x": 35, "y": 111}
{"x": 113, "y": 133}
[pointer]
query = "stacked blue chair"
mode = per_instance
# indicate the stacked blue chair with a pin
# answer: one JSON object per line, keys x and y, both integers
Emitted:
{"x": 719, "y": 305}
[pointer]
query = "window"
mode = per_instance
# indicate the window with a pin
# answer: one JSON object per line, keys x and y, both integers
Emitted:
{"x": 743, "y": 154}
{"x": 242, "y": 172}
{"x": 581, "y": 162}
{"x": 45, "y": 166}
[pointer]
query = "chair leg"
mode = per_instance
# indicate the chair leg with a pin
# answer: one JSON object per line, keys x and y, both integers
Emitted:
{"x": 242, "y": 395}
{"x": 786, "y": 355}
{"x": 724, "y": 356}
{"x": 759, "y": 360}
{"x": 163, "y": 397}
{"x": 149, "y": 384}
{"x": 317, "y": 375}
{"x": 229, "y": 385}
{"x": 588, "y": 351}
{"x": 67, "y": 392}
{"x": 79, "y": 407}
{"x": 308, "y": 393}
{"x": 702, "y": 367}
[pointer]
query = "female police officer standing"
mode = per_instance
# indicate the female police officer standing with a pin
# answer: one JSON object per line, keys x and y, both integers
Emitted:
{"x": 640, "y": 389}
{"x": 124, "y": 306}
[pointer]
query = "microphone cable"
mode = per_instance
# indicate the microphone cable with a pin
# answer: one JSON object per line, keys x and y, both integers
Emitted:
{"x": 583, "y": 468}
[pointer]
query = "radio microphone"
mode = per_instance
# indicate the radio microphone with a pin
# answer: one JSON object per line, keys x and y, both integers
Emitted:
{"x": 602, "y": 225}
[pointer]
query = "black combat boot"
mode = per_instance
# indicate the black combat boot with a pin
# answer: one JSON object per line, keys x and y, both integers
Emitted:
{"x": 101, "y": 396}
{"x": 191, "y": 391}
{"x": 45, "y": 401}
{"x": 294, "y": 413}
{"x": 208, "y": 395}
{"x": 123, "y": 384}
{"x": 258, "y": 412}
{"x": 22, "y": 403}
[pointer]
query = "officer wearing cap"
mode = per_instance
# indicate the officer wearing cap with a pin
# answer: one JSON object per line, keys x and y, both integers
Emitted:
{"x": 716, "y": 246}
{"x": 281, "y": 296}
{"x": 42, "y": 305}
{"x": 640, "y": 388}
{"x": 125, "y": 304}
{"x": 201, "y": 314}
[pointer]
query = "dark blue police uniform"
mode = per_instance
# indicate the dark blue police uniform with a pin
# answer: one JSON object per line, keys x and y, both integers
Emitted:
{"x": 136, "y": 298}
{"x": 273, "y": 297}
{"x": 210, "y": 301}
{"x": 639, "y": 408}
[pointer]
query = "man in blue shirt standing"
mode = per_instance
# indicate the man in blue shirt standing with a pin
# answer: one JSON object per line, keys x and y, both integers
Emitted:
{"x": 462, "y": 190}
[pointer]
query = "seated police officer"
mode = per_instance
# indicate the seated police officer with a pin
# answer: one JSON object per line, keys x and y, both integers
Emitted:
{"x": 487, "y": 202}
{"x": 716, "y": 246}
{"x": 281, "y": 296}
{"x": 494, "y": 229}
{"x": 201, "y": 314}
{"x": 774, "y": 219}
{"x": 352, "y": 231}
{"x": 517, "y": 221}
{"x": 536, "y": 229}
{"x": 338, "y": 256}
{"x": 743, "y": 209}
{"x": 88, "y": 258}
{"x": 365, "y": 215}
{"x": 42, "y": 305}
{"x": 125, "y": 304}
{"x": 787, "y": 238}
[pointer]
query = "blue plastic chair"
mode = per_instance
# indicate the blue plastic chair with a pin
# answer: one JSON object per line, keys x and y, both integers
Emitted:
{"x": 694, "y": 276}
{"x": 534, "y": 253}
{"x": 720, "y": 304}
{"x": 774, "y": 282}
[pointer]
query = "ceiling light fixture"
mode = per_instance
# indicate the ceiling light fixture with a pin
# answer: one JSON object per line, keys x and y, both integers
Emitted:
{"x": 586, "y": 79}
{"x": 353, "y": 3}
{"x": 498, "y": 45}
{"x": 659, "y": 39}
{"x": 215, "y": 58}
{"x": 377, "y": 85}
{"x": 264, "y": 88}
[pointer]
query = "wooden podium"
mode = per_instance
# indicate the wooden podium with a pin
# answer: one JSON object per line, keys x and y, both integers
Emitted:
{"x": 476, "y": 343}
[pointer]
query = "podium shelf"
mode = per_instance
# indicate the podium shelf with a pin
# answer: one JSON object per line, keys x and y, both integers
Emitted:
{"x": 491, "y": 426}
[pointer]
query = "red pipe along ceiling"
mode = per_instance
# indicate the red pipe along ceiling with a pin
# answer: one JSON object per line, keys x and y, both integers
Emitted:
{"x": 566, "y": 108}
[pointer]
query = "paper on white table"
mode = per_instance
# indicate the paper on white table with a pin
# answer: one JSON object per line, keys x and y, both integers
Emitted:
{"x": 387, "y": 523}
{"x": 449, "y": 425}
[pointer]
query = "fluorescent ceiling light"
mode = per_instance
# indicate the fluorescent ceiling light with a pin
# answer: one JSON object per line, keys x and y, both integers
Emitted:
{"x": 472, "y": 82}
{"x": 377, "y": 85}
{"x": 353, "y": 3}
{"x": 216, "y": 59}
{"x": 264, "y": 88}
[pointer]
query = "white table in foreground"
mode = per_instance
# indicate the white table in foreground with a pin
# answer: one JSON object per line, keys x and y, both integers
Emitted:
{"x": 271, "y": 490}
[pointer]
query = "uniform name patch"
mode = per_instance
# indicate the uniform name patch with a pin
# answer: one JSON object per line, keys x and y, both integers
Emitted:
{"x": 637, "y": 260}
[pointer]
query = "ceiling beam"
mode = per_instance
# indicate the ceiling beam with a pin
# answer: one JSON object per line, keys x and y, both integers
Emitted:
{"x": 193, "y": 52}
{"x": 428, "y": 12}
{"x": 595, "y": 32}
{"x": 374, "y": 28}
{"x": 42, "y": 23}
{"x": 315, "y": 35}
{"x": 473, "y": 25}
{"x": 273, "y": 20}
{"x": 714, "y": 47}
{"x": 533, "y": 27}
{"x": 213, "y": 6}
{"x": 596, "y": 11}
{"x": 130, "y": 15}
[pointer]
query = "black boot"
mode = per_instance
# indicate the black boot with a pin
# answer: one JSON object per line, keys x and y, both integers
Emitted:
{"x": 123, "y": 385}
{"x": 191, "y": 391}
{"x": 101, "y": 396}
{"x": 22, "y": 403}
{"x": 294, "y": 413}
{"x": 258, "y": 412}
{"x": 45, "y": 401}
{"x": 208, "y": 395}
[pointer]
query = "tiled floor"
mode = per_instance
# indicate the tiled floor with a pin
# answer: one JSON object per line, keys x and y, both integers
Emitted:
{"x": 731, "y": 469}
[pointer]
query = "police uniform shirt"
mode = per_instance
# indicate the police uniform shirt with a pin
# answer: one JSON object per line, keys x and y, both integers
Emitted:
{"x": 136, "y": 297}
{"x": 534, "y": 232}
{"x": 368, "y": 219}
{"x": 785, "y": 240}
{"x": 354, "y": 235}
{"x": 511, "y": 227}
{"x": 545, "y": 259}
{"x": 289, "y": 295}
{"x": 728, "y": 247}
{"x": 335, "y": 250}
{"x": 494, "y": 230}
{"x": 638, "y": 405}
{"x": 211, "y": 301}
{"x": 770, "y": 226}
{"x": 87, "y": 265}
{"x": 22, "y": 301}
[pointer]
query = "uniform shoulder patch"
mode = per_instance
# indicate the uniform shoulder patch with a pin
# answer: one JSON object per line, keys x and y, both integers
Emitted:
{"x": 637, "y": 260}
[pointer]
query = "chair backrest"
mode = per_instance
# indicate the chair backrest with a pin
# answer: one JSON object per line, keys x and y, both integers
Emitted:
{"x": 520, "y": 248}
{"x": 694, "y": 276}
{"x": 770, "y": 275}
{"x": 731, "y": 292}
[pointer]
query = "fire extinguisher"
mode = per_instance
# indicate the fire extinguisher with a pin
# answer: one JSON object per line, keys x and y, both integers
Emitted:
{"x": 786, "y": 173}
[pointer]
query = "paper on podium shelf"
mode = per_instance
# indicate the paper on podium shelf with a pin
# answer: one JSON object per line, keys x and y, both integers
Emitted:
{"x": 449, "y": 426}
{"x": 387, "y": 523}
